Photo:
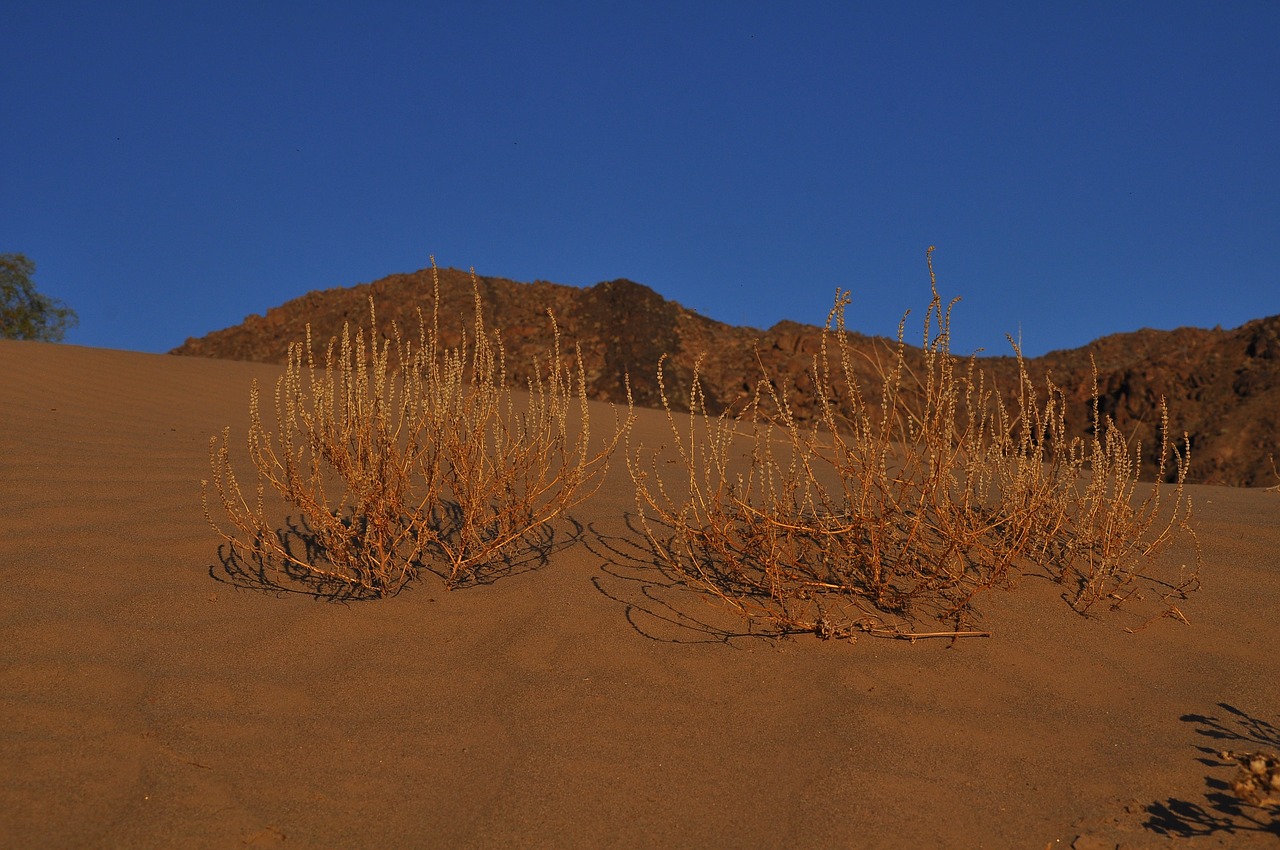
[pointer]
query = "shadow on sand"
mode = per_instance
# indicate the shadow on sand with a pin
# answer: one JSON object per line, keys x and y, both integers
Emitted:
{"x": 656, "y": 603}
{"x": 249, "y": 571}
{"x": 1221, "y": 812}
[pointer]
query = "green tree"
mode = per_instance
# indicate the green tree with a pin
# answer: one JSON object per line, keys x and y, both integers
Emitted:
{"x": 25, "y": 313}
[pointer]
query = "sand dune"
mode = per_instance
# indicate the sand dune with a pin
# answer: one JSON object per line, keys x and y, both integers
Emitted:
{"x": 150, "y": 697}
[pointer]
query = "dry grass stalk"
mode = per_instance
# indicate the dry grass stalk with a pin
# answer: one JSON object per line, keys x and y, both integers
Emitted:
{"x": 881, "y": 512}
{"x": 402, "y": 455}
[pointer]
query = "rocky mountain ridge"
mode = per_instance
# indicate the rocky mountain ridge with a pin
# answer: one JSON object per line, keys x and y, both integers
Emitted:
{"x": 1222, "y": 386}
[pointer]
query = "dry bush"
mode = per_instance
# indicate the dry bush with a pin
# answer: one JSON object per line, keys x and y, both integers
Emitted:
{"x": 1257, "y": 779}
{"x": 402, "y": 455}
{"x": 889, "y": 509}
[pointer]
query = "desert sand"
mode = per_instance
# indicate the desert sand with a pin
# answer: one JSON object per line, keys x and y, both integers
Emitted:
{"x": 150, "y": 697}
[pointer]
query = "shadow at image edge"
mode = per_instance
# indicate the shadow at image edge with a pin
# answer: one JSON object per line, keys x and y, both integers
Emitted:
{"x": 1221, "y": 812}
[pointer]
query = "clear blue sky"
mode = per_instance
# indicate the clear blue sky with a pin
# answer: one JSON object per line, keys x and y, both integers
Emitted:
{"x": 1084, "y": 168}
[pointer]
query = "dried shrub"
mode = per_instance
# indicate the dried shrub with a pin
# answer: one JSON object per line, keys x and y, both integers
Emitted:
{"x": 402, "y": 455}
{"x": 1257, "y": 778}
{"x": 884, "y": 510}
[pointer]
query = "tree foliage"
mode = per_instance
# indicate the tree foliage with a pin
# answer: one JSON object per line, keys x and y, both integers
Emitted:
{"x": 24, "y": 312}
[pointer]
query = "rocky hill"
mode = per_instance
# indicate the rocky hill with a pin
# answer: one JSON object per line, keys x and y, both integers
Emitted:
{"x": 1222, "y": 386}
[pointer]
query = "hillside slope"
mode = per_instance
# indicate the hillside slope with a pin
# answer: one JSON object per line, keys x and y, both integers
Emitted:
{"x": 1222, "y": 386}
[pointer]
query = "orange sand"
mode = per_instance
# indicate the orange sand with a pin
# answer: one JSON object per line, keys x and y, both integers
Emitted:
{"x": 146, "y": 700}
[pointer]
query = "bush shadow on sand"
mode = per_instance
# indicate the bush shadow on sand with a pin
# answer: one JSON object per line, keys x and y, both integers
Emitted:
{"x": 250, "y": 571}
{"x": 1221, "y": 812}
{"x": 658, "y": 604}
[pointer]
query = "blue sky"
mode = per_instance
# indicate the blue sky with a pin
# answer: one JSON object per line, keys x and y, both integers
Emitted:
{"x": 1083, "y": 168}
